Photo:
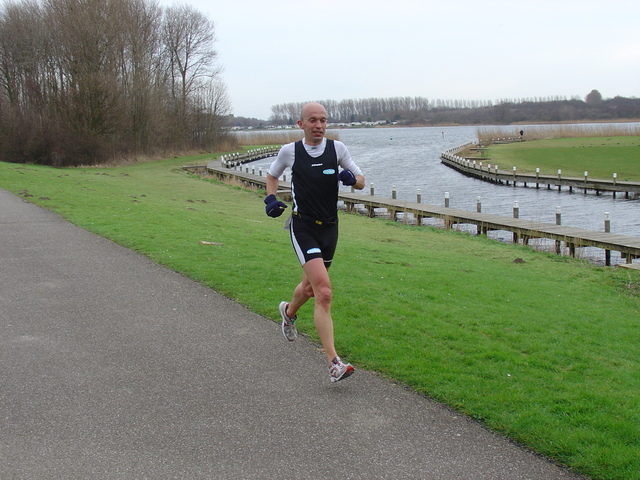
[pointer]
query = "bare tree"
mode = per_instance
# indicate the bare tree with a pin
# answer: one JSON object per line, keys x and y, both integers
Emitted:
{"x": 83, "y": 80}
{"x": 188, "y": 38}
{"x": 212, "y": 105}
{"x": 139, "y": 67}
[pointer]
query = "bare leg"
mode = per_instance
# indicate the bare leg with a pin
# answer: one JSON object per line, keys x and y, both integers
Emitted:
{"x": 301, "y": 294}
{"x": 315, "y": 283}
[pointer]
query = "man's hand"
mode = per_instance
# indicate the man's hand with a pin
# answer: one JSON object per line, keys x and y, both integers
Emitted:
{"x": 347, "y": 178}
{"x": 274, "y": 207}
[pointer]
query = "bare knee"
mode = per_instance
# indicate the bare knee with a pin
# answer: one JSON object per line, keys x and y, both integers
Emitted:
{"x": 308, "y": 290}
{"x": 323, "y": 295}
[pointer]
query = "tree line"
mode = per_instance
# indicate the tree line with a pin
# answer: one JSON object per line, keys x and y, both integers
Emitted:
{"x": 358, "y": 110}
{"x": 420, "y": 110}
{"x": 83, "y": 81}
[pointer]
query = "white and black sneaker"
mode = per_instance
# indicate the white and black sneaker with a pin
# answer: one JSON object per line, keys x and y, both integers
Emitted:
{"x": 288, "y": 324}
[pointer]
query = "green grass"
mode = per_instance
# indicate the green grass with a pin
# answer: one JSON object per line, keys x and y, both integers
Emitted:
{"x": 600, "y": 156}
{"x": 545, "y": 351}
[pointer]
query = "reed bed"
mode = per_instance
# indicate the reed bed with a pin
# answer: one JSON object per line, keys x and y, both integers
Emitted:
{"x": 276, "y": 137}
{"x": 488, "y": 135}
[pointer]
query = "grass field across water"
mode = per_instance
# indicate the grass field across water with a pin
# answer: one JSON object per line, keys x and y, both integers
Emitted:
{"x": 544, "y": 350}
{"x": 601, "y": 157}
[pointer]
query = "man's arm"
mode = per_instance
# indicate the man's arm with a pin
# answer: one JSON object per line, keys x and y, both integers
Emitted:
{"x": 347, "y": 163}
{"x": 272, "y": 185}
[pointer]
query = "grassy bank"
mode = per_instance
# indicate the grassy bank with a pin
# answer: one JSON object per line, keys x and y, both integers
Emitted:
{"x": 601, "y": 149}
{"x": 487, "y": 135}
{"x": 544, "y": 350}
{"x": 601, "y": 157}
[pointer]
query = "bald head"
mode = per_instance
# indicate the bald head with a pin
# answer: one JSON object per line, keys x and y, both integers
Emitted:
{"x": 312, "y": 107}
{"x": 313, "y": 120}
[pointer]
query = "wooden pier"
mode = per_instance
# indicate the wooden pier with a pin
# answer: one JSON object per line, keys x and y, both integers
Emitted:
{"x": 231, "y": 160}
{"x": 484, "y": 170}
{"x": 523, "y": 230}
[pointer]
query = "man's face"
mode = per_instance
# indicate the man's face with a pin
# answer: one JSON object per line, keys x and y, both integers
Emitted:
{"x": 314, "y": 124}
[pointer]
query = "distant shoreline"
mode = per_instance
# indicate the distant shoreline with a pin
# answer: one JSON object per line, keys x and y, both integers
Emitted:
{"x": 438, "y": 125}
{"x": 422, "y": 125}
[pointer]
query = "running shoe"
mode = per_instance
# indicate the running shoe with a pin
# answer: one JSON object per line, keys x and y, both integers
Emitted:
{"x": 339, "y": 371}
{"x": 288, "y": 324}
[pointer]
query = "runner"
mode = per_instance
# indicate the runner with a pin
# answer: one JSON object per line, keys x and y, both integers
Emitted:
{"x": 314, "y": 162}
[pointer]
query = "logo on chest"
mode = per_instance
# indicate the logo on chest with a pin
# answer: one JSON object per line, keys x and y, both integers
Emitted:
{"x": 326, "y": 171}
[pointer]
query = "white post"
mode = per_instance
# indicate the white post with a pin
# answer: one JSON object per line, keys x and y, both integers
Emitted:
{"x": 607, "y": 229}
{"x": 558, "y": 222}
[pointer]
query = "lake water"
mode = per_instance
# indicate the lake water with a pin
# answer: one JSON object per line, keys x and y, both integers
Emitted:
{"x": 409, "y": 159}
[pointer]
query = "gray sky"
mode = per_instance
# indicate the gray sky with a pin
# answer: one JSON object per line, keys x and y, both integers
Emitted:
{"x": 280, "y": 51}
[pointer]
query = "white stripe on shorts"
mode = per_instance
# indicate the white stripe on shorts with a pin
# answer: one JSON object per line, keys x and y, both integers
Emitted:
{"x": 296, "y": 246}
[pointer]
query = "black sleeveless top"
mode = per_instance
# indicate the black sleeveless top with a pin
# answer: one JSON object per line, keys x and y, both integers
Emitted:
{"x": 314, "y": 183}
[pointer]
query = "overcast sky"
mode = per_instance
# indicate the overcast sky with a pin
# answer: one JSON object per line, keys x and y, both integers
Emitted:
{"x": 280, "y": 51}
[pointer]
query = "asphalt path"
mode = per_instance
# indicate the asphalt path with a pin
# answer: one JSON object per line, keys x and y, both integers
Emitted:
{"x": 113, "y": 367}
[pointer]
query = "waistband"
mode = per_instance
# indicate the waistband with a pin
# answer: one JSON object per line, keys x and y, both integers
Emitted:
{"x": 308, "y": 218}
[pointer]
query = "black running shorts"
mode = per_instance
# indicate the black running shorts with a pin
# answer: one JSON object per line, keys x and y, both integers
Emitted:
{"x": 313, "y": 241}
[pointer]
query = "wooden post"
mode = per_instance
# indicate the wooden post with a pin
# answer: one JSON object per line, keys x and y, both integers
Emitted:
{"x": 418, "y": 196}
{"x": 371, "y": 190}
{"x": 446, "y": 199}
{"x": 559, "y": 179}
{"x": 558, "y": 222}
{"x": 479, "y": 205}
{"x": 537, "y": 178}
{"x": 393, "y": 192}
{"x": 607, "y": 229}
{"x": 516, "y": 214}
{"x": 586, "y": 174}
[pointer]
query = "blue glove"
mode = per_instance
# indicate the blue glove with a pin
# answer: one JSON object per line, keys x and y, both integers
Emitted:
{"x": 274, "y": 207}
{"x": 347, "y": 177}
